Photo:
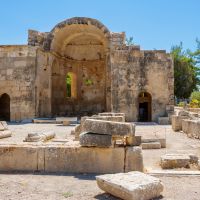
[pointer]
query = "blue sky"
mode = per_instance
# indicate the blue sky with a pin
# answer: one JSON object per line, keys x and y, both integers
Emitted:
{"x": 154, "y": 24}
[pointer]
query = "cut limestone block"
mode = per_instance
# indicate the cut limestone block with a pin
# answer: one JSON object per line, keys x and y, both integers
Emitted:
{"x": 44, "y": 120}
{"x": 4, "y": 124}
{"x": 84, "y": 160}
{"x": 133, "y": 140}
{"x": 66, "y": 123}
{"x": 131, "y": 185}
{"x": 177, "y": 122}
{"x": 108, "y": 127}
{"x": 133, "y": 159}
{"x": 111, "y": 114}
{"x": 162, "y": 141}
{"x": 88, "y": 139}
{"x": 5, "y": 134}
{"x": 170, "y": 161}
{"x": 2, "y": 128}
{"x": 151, "y": 145}
{"x": 36, "y": 137}
{"x": 163, "y": 120}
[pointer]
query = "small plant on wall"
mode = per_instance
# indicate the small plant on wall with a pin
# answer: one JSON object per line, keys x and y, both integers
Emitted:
{"x": 88, "y": 82}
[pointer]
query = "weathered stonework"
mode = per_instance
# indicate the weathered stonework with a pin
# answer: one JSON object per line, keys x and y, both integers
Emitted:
{"x": 107, "y": 75}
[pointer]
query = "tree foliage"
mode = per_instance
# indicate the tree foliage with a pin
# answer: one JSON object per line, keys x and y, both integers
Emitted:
{"x": 186, "y": 70}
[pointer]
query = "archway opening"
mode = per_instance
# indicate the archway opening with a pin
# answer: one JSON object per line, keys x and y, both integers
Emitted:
{"x": 79, "y": 70}
{"x": 144, "y": 101}
{"x": 71, "y": 88}
{"x": 5, "y": 107}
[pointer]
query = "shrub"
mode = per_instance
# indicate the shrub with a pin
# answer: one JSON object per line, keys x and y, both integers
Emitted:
{"x": 194, "y": 103}
{"x": 195, "y": 95}
{"x": 181, "y": 104}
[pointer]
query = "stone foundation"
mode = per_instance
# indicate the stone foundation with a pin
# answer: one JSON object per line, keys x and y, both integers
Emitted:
{"x": 69, "y": 159}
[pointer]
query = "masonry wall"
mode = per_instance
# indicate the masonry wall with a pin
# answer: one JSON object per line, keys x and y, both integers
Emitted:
{"x": 135, "y": 71}
{"x": 17, "y": 77}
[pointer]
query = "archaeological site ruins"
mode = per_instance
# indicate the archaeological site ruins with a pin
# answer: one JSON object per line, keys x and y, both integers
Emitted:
{"x": 81, "y": 68}
{"x": 79, "y": 99}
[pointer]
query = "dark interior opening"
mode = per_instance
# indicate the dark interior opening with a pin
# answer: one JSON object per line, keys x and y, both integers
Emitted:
{"x": 5, "y": 107}
{"x": 144, "y": 110}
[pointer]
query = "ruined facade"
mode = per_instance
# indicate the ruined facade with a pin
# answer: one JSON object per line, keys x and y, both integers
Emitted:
{"x": 81, "y": 68}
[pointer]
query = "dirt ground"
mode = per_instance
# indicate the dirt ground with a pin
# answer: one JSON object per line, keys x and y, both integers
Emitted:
{"x": 82, "y": 187}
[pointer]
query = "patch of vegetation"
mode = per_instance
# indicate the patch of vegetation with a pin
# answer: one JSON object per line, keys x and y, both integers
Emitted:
{"x": 88, "y": 82}
{"x": 67, "y": 194}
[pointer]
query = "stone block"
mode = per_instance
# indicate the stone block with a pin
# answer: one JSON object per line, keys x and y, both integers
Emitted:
{"x": 88, "y": 139}
{"x": 5, "y": 134}
{"x": 151, "y": 145}
{"x": 39, "y": 136}
{"x": 66, "y": 123}
{"x": 133, "y": 140}
{"x": 18, "y": 158}
{"x": 162, "y": 141}
{"x": 4, "y": 124}
{"x": 107, "y": 127}
{"x": 84, "y": 159}
{"x": 177, "y": 122}
{"x": 171, "y": 161}
{"x": 131, "y": 185}
{"x": 133, "y": 159}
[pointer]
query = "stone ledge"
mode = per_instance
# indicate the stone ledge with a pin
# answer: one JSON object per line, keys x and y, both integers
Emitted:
{"x": 69, "y": 159}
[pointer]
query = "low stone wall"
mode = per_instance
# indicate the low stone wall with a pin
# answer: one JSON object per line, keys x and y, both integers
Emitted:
{"x": 70, "y": 159}
{"x": 177, "y": 122}
{"x": 191, "y": 128}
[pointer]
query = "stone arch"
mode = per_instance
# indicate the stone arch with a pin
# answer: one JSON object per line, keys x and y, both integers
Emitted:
{"x": 144, "y": 107}
{"x": 5, "y": 107}
{"x": 81, "y": 45}
{"x": 83, "y": 21}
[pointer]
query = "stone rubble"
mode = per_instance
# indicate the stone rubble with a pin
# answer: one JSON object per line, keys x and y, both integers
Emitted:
{"x": 39, "y": 136}
{"x": 4, "y": 132}
{"x": 171, "y": 161}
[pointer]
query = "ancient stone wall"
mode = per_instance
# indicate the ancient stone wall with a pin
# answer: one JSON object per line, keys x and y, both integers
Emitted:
{"x": 135, "y": 71}
{"x": 17, "y": 77}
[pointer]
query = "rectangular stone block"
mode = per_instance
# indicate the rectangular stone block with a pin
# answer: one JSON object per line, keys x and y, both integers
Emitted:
{"x": 84, "y": 160}
{"x": 130, "y": 186}
{"x": 151, "y": 145}
{"x": 162, "y": 141}
{"x": 170, "y": 161}
{"x": 5, "y": 134}
{"x": 107, "y": 127}
{"x": 134, "y": 159}
{"x": 177, "y": 122}
{"x": 18, "y": 158}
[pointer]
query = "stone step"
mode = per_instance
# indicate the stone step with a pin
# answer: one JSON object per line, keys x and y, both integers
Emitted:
{"x": 151, "y": 145}
{"x": 131, "y": 186}
{"x": 162, "y": 141}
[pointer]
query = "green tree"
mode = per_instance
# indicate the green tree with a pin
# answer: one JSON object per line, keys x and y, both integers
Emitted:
{"x": 186, "y": 70}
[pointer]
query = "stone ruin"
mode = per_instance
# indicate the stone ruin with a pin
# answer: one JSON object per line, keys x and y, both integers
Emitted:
{"x": 105, "y": 75}
{"x": 4, "y": 132}
{"x": 187, "y": 122}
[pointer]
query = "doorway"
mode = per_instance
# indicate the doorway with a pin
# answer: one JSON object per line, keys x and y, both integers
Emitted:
{"x": 144, "y": 101}
{"x": 5, "y": 107}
